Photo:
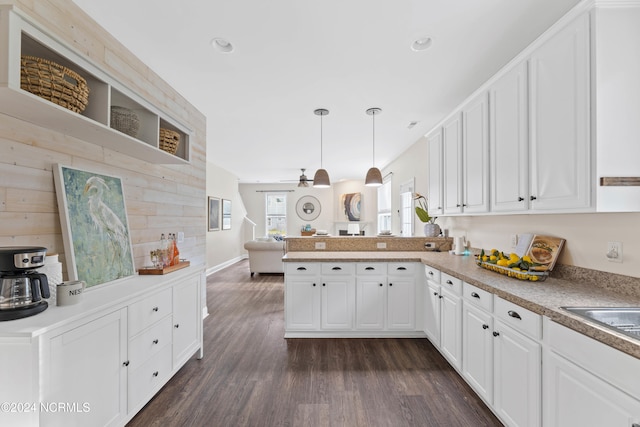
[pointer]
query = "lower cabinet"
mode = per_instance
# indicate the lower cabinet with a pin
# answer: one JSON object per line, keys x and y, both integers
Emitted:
{"x": 106, "y": 368}
{"x": 587, "y": 383}
{"x": 351, "y": 299}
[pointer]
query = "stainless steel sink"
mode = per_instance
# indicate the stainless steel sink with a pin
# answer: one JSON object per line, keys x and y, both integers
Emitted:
{"x": 621, "y": 319}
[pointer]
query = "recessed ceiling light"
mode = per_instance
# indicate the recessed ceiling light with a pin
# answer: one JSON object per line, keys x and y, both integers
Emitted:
{"x": 412, "y": 124}
{"x": 222, "y": 45}
{"x": 421, "y": 44}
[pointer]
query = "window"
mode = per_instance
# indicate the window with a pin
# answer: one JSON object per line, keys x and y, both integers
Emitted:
{"x": 276, "y": 214}
{"x": 406, "y": 208}
{"x": 384, "y": 204}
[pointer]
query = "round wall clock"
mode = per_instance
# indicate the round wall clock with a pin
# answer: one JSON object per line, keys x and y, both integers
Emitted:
{"x": 308, "y": 208}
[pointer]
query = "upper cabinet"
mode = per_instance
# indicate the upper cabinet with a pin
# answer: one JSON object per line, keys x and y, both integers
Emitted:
{"x": 560, "y": 145}
{"x": 509, "y": 142}
{"x": 452, "y": 164}
{"x": 44, "y": 82}
{"x": 435, "y": 196}
{"x": 475, "y": 155}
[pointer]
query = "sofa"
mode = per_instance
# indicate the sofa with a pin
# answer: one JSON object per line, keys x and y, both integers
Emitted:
{"x": 265, "y": 255}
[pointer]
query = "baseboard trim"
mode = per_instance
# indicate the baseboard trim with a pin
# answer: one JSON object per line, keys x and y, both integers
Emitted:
{"x": 355, "y": 334}
{"x": 225, "y": 264}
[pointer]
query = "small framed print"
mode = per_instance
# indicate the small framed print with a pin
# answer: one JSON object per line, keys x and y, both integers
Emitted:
{"x": 214, "y": 214}
{"x": 226, "y": 214}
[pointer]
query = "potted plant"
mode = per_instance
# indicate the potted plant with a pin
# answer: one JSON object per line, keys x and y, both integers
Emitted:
{"x": 431, "y": 229}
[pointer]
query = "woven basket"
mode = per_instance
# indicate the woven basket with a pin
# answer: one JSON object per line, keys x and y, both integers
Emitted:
{"x": 125, "y": 120}
{"x": 169, "y": 140}
{"x": 54, "y": 83}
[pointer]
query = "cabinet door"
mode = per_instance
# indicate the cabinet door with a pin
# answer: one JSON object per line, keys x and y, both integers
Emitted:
{"x": 434, "y": 198}
{"x": 452, "y": 164}
{"x": 431, "y": 313}
{"x": 302, "y": 303}
{"x": 84, "y": 366}
{"x": 401, "y": 300}
{"x": 508, "y": 142}
{"x": 560, "y": 124}
{"x": 477, "y": 350}
{"x": 338, "y": 298}
{"x": 517, "y": 374}
{"x": 370, "y": 302}
{"x": 575, "y": 397}
{"x": 475, "y": 154}
{"x": 451, "y": 328}
{"x": 187, "y": 323}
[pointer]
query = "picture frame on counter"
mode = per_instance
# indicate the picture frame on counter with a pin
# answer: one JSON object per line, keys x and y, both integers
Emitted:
{"x": 95, "y": 228}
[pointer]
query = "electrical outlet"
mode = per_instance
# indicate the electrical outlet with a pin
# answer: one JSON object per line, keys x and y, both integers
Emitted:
{"x": 381, "y": 245}
{"x": 429, "y": 245}
{"x": 514, "y": 240}
{"x": 321, "y": 245}
{"x": 180, "y": 236}
{"x": 614, "y": 251}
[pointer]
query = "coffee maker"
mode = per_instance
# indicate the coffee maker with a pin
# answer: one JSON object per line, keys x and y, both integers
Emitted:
{"x": 22, "y": 289}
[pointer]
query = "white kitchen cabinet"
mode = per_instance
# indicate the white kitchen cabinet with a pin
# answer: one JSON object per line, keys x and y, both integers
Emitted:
{"x": 477, "y": 350}
{"x": 370, "y": 303}
{"x": 302, "y": 296}
{"x": 435, "y": 170}
{"x": 22, "y": 37}
{"x": 452, "y": 164}
{"x": 337, "y": 296}
{"x": 559, "y": 108}
{"x": 187, "y": 329}
{"x": 87, "y": 367}
{"x": 401, "y": 296}
{"x": 509, "y": 142}
{"x": 432, "y": 313}
{"x": 475, "y": 155}
{"x": 451, "y": 327}
{"x": 587, "y": 383}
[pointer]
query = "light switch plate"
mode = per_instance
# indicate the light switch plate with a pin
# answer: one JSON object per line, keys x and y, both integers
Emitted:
{"x": 381, "y": 245}
{"x": 321, "y": 245}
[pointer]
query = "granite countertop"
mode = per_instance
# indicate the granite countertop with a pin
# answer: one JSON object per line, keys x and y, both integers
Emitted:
{"x": 545, "y": 298}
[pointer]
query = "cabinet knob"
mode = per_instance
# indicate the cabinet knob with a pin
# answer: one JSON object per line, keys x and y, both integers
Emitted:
{"x": 390, "y": 284}
{"x": 155, "y": 341}
{"x": 435, "y": 293}
{"x": 440, "y": 296}
{"x": 314, "y": 284}
{"x": 457, "y": 205}
{"x": 449, "y": 282}
{"x": 381, "y": 284}
{"x": 439, "y": 207}
{"x": 495, "y": 334}
{"x": 514, "y": 314}
{"x": 125, "y": 363}
{"x": 431, "y": 273}
{"x": 155, "y": 374}
{"x": 485, "y": 326}
{"x": 532, "y": 198}
{"x": 464, "y": 205}
{"x": 177, "y": 325}
{"x": 155, "y": 308}
{"x": 475, "y": 295}
{"x": 324, "y": 284}
{"x": 520, "y": 199}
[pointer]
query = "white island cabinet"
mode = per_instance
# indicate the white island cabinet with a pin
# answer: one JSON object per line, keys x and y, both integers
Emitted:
{"x": 98, "y": 362}
{"x": 352, "y": 299}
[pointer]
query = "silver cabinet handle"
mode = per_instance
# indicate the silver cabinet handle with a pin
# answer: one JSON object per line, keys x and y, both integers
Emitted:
{"x": 475, "y": 295}
{"x": 514, "y": 314}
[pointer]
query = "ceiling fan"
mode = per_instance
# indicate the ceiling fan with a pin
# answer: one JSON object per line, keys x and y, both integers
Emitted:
{"x": 303, "y": 181}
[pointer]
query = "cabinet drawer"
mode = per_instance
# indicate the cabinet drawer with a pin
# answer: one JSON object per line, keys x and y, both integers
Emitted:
{"x": 401, "y": 268}
{"x": 432, "y": 274}
{"x": 373, "y": 268}
{"x": 149, "y": 377}
{"x": 302, "y": 268}
{"x": 143, "y": 314}
{"x": 478, "y": 297}
{"x": 149, "y": 342}
{"x": 453, "y": 284}
{"x": 338, "y": 268}
{"x": 519, "y": 318}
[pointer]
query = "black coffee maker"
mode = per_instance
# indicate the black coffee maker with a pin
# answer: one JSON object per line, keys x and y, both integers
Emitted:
{"x": 22, "y": 289}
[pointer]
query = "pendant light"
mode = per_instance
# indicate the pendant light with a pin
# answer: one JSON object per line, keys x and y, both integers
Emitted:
{"x": 321, "y": 178}
{"x": 374, "y": 176}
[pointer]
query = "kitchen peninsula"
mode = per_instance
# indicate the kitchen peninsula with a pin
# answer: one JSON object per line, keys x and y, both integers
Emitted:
{"x": 511, "y": 340}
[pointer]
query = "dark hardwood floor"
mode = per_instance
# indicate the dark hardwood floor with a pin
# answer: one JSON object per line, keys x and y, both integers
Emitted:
{"x": 251, "y": 376}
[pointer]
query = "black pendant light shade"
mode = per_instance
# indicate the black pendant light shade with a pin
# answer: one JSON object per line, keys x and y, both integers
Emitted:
{"x": 321, "y": 178}
{"x": 374, "y": 176}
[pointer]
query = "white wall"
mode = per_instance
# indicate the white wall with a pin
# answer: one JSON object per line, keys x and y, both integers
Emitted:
{"x": 225, "y": 246}
{"x": 253, "y": 196}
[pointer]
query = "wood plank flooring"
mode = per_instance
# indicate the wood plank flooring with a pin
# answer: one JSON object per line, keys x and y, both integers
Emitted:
{"x": 251, "y": 376}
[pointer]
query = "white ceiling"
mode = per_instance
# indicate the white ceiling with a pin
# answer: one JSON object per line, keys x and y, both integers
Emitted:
{"x": 293, "y": 56}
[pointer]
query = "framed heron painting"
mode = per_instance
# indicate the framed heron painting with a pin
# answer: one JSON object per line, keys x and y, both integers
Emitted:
{"x": 95, "y": 230}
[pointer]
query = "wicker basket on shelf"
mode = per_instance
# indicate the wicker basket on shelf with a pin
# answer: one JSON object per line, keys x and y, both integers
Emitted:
{"x": 54, "y": 83}
{"x": 169, "y": 140}
{"x": 125, "y": 120}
